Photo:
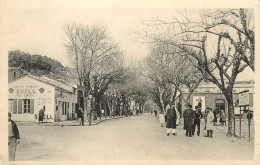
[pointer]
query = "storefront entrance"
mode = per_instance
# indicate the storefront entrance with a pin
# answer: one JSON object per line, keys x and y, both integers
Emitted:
{"x": 220, "y": 105}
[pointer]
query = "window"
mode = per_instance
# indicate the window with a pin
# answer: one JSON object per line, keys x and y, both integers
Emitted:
{"x": 26, "y": 106}
{"x": 11, "y": 106}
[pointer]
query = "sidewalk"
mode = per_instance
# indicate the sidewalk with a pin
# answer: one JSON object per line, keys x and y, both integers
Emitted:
{"x": 64, "y": 123}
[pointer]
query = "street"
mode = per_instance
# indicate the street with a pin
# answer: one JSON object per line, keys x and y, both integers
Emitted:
{"x": 130, "y": 138}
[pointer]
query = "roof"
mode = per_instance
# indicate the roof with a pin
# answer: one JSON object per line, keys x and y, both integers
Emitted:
{"x": 53, "y": 82}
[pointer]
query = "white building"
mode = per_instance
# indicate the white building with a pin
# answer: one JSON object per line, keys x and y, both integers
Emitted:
{"x": 29, "y": 94}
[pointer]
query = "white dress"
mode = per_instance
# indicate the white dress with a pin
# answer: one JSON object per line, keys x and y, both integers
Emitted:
{"x": 161, "y": 118}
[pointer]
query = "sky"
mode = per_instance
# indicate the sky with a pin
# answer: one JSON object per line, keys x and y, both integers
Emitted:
{"x": 39, "y": 30}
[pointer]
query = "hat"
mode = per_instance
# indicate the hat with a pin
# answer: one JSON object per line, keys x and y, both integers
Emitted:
{"x": 189, "y": 105}
{"x": 9, "y": 114}
{"x": 208, "y": 108}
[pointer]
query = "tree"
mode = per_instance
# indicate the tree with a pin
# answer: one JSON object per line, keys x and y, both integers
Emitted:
{"x": 88, "y": 47}
{"x": 218, "y": 48}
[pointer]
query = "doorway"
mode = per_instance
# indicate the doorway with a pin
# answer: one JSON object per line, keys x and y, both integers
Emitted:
{"x": 220, "y": 105}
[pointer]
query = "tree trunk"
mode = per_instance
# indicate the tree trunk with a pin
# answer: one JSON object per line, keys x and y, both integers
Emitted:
{"x": 229, "y": 98}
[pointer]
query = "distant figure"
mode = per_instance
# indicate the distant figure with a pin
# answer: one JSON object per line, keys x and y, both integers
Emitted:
{"x": 41, "y": 115}
{"x": 155, "y": 113}
{"x": 188, "y": 116}
{"x": 151, "y": 112}
{"x": 13, "y": 138}
{"x": 199, "y": 102}
{"x": 223, "y": 117}
{"x": 103, "y": 112}
{"x": 162, "y": 120}
{"x": 177, "y": 118}
{"x": 215, "y": 120}
{"x": 81, "y": 116}
{"x": 198, "y": 116}
{"x": 171, "y": 120}
{"x": 209, "y": 124}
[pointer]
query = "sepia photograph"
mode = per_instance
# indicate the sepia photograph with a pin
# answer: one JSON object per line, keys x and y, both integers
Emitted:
{"x": 102, "y": 81}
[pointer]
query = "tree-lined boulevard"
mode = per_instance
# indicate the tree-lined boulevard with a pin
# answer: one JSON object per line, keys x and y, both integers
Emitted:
{"x": 130, "y": 138}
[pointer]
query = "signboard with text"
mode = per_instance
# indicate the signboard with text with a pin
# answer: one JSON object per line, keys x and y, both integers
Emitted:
{"x": 243, "y": 98}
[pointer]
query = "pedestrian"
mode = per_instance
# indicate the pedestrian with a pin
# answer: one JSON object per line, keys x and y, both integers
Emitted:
{"x": 177, "y": 118}
{"x": 81, "y": 116}
{"x": 161, "y": 117}
{"x": 13, "y": 138}
{"x": 171, "y": 120}
{"x": 209, "y": 124}
{"x": 155, "y": 113}
{"x": 188, "y": 116}
{"x": 41, "y": 115}
{"x": 223, "y": 117}
{"x": 215, "y": 120}
{"x": 198, "y": 116}
{"x": 102, "y": 113}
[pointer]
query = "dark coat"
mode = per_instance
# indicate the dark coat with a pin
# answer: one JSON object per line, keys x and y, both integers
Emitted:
{"x": 41, "y": 114}
{"x": 15, "y": 130}
{"x": 198, "y": 115}
{"x": 188, "y": 116}
{"x": 171, "y": 118}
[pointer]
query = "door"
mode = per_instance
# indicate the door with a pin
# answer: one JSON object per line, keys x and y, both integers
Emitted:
{"x": 220, "y": 105}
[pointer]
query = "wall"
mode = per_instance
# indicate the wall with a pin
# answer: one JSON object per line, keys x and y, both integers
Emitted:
{"x": 64, "y": 96}
{"x": 39, "y": 93}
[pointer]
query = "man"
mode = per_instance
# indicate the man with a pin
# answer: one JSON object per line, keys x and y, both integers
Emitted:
{"x": 81, "y": 116}
{"x": 188, "y": 116}
{"x": 198, "y": 116}
{"x": 13, "y": 138}
{"x": 41, "y": 115}
{"x": 155, "y": 113}
{"x": 209, "y": 124}
{"x": 171, "y": 120}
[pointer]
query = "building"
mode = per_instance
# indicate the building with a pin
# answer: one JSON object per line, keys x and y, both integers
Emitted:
{"x": 29, "y": 94}
{"x": 208, "y": 94}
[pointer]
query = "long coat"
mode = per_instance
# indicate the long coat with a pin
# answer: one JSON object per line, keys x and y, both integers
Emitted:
{"x": 41, "y": 114}
{"x": 171, "y": 118}
{"x": 210, "y": 118}
{"x": 188, "y": 116}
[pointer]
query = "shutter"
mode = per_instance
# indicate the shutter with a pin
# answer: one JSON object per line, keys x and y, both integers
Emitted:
{"x": 32, "y": 106}
{"x": 15, "y": 106}
{"x": 20, "y": 106}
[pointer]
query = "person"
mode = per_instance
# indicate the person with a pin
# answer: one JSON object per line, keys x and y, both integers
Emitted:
{"x": 199, "y": 102}
{"x": 209, "y": 124}
{"x": 223, "y": 117}
{"x": 81, "y": 116}
{"x": 177, "y": 118}
{"x": 198, "y": 116}
{"x": 102, "y": 112}
{"x": 13, "y": 138}
{"x": 155, "y": 113}
{"x": 41, "y": 115}
{"x": 171, "y": 120}
{"x": 215, "y": 120}
{"x": 188, "y": 116}
{"x": 161, "y": 117}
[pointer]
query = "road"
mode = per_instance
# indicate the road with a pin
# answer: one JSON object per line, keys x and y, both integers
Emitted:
{"x": 131, "y": 138}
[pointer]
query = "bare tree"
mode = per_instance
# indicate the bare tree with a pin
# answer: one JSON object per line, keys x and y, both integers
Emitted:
{"x": 218, "y": 48}
{"x": 89, "y": 47}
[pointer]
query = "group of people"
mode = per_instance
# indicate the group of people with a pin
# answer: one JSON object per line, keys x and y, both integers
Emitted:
{"x": 192, "y": 120}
